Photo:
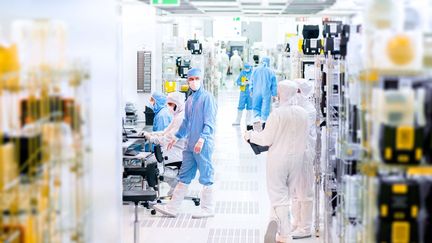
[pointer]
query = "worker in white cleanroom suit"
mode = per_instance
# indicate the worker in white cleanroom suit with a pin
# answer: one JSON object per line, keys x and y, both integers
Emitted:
{"x": 302, "y": 202}
{"x": 175, "y": 105}
{"x": 236, "y": 64}
{"x": 223, "y": 63}
{"x": 286, "y": 133}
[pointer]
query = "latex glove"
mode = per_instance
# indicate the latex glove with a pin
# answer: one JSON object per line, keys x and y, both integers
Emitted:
{"x": 171, "y": 143}
{"x": 247, "y": 135}
{"x": 148, "y": 136}
{"x": 199, "y": 145}
{"x": 169, "y": 136}
{"x": 154, "y": 139}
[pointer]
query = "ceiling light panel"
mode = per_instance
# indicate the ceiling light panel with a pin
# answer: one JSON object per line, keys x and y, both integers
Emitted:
{"x": 222, "y": 11}
{"x": 202, "y": 4}
{"x": 262, "y": 9}
{"x": 278, "y": 4}
{"x": 250, "y": 4}
{"x": 278, "y": 1}
{"x": 217, "y": 7}
{"x": 211, "y": 1}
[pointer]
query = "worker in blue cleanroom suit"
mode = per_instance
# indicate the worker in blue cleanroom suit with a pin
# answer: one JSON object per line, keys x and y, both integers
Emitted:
{"x": 263, "y": 86}
{"x": 198, "y": 127}
{"x": 245, "y": 100}
{"x": 162, "y": 116}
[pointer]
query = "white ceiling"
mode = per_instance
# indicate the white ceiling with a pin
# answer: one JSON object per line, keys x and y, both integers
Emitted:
{"x": 248, "y": 7}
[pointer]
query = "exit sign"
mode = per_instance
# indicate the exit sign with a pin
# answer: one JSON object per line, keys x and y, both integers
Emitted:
{"x": 165, "y": 3}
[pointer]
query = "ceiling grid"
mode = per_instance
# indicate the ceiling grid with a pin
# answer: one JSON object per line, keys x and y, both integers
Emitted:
{"x": 248, "y": 7}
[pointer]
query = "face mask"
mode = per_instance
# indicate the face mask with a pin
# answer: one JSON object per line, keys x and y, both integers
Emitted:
{"x": 195, "y": 85}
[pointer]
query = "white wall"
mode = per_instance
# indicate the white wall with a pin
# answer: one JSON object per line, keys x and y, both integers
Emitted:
{"x": 225, "y": 28}
{"x": 139, "y": 31}
{"x": 189, "y": 27}
{"x": 92, "y": 34}
{"x": 142, "y": 28}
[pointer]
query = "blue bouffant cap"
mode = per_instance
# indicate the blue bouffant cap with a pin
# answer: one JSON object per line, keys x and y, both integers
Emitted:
{"x": 194, "y": 72}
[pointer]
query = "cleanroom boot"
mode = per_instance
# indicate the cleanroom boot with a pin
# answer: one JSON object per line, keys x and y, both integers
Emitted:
{"x": 272, "y": 228}
{"x": 295, "y": 210}
{"x": 172, "y": 182}
{"x": 304, "y": 227}
{"x": 238, "y": 119}
{"x": 171, "y": 208}
{"x": 283, "y": 215}
{"x": 248, "y": 117}
{"x": 207, "y": 204}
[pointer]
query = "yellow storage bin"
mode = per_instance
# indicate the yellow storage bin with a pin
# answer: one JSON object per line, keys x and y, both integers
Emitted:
{"x": 170, "y": 86}
{"x": 8, "y": 164}
{"x": 184, "y": 88}
{"x": 9, "y": 66}
{"x": 300, "y": 45}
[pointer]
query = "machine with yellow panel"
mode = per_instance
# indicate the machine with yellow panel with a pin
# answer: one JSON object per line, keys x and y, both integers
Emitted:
{"x": 399, "y": 211}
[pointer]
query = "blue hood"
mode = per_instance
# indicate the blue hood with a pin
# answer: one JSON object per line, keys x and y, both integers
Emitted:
{"x": 266, "y": 61}
{"x": 247, "y": 66}
{"x": 160, "y": 101}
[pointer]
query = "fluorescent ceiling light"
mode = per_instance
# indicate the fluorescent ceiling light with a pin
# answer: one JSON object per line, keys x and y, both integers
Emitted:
{"x": 250, "y": 1}
{"x": 278, "y": 1}
{"x": 262, "y": 10}
{"x": 222, "y": 11}
{"x": 219, "y": 7}
{"x": 261, "y": 7}
{"x": 221, "y": 3}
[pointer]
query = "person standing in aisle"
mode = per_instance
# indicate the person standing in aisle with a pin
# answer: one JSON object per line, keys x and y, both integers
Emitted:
{"x": 286, "y": 134}
{"x": 236, "y": 64}
{"x": 263, "y": 86}
{"x": 198, "y": 127}
{"x": 223, "y": 61}
{"x": 245, "y": 100}
{"x": 302, "y": 203}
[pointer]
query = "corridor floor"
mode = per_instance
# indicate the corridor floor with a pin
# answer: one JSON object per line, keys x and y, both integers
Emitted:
{"x": 242, "y": 206}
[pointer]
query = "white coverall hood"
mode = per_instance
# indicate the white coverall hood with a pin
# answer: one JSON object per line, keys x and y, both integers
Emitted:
{"x": 178, "y": 99}
{"x": 287, "y": 92}
{"x": 305, "y": 87}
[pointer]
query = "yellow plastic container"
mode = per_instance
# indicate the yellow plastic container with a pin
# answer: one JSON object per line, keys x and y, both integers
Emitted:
{"x": 184, "y": 88}
{"x": 8, "y": 164}
{"x": 400, "y": 50}
{"x": 170, "y": 86}
{"x": 9, "y": 66}
{"x": 300, "y": 45}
